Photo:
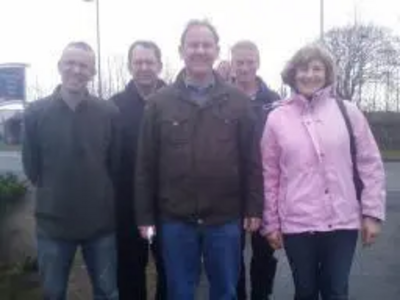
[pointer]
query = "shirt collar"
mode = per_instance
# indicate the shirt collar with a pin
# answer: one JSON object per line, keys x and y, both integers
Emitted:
{"x": 199, "y": 88}
{"x": 57, "y": 95}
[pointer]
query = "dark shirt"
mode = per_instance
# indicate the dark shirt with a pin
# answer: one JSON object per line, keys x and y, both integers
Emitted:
{"x": 71, "y": 157}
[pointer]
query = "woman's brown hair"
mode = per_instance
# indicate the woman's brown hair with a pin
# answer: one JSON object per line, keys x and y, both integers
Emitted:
{"x": 303, "y": 57}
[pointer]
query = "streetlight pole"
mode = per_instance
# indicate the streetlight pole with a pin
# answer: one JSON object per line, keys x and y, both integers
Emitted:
{"x": 321, "y": 20}
{"x": 98, "y": 46}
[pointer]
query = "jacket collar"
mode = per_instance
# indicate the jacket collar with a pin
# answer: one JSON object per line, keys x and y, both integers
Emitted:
{"x": 317, "y": 99}
{"x": 59, "y": 101}
{"x": 217, "y": 91}
{"x": 57, "y": 93}
{"x": 264, "y": 94}
{"x": 131, "y": 88}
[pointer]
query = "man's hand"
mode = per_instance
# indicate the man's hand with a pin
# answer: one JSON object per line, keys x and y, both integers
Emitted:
{"x": 370, "y": 230}
{"x": 275, "y": 240}
{"x": 251, "y": 224}
{"x": 147, "y": 232}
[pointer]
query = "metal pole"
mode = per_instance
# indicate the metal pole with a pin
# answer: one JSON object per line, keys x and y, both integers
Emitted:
{"x": 321, "y": 20}
{"x": 98, "y": 46}
{"x": 99, "y": 78}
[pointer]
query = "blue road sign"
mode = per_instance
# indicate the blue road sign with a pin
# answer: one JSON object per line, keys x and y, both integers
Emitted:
{"x": 12, "y": 83}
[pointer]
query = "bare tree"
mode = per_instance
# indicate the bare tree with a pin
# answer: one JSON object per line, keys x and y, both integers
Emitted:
{"x": 168, "y": 74}
{"x": 364, "y": 54}
{"x": 116, "y": 75}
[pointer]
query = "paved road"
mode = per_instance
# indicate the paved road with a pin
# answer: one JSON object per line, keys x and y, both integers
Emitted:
{"x": 10, "y": 162}
{"x": 376, "y": 271}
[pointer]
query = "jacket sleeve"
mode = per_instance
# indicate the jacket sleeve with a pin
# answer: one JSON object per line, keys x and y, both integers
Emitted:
{"x": 370, "y": 167}
{"x": 30, "y": 146}
{"x": 147, "y": 168}
{"x": 270, "y": 153}
{"x": 251, "y": 165}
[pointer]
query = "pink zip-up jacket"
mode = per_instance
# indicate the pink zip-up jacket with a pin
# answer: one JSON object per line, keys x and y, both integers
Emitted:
{"x": 308, "y": 177}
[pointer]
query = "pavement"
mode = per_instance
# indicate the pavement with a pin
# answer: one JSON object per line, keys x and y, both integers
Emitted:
{"x": 376, "y": 270}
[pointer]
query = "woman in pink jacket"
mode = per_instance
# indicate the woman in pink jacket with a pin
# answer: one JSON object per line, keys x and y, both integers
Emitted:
{"x": 311, "y": 203}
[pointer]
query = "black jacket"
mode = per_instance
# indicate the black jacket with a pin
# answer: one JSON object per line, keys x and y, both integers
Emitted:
{"x": 200, "y": 163}
{"x": 72, "y": 159}
{"x": 131, "y": 106}
{"x": 262, "y": 105}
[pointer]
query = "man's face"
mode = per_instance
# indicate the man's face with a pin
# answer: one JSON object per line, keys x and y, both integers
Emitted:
{"x": 199, "y": 50}
{"x": 77, "y": 68}
{"x": 144, "y": 66}
{"x": 245, "y": 64}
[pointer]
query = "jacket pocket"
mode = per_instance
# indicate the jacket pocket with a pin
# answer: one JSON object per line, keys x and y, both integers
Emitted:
{"x": 225, "y": 129}
{"x": 175, "y": 131}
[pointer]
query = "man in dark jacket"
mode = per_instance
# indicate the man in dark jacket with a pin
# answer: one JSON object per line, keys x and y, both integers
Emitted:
{"x": 198, "y": 167}
{"x": 144, "y": 63}
{"x": 70, "y": 154}
{"x": 245, "y": 63}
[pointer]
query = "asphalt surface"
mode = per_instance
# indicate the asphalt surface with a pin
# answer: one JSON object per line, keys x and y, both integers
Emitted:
{"x": 376, "y": 270}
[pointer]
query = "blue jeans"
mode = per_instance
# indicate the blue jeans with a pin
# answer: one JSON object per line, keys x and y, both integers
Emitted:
{"x": 55, "y": 258}
{"x": 321, "y": 263}
{"x": 184, "y": 246}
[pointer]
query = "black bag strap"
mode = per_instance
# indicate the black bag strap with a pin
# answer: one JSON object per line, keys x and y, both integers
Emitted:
{"x": 353, "y": 149}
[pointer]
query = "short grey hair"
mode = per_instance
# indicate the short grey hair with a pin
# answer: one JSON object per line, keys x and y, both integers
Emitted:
{"x": 246, "y": 44}
{"x": 80, "y": 45}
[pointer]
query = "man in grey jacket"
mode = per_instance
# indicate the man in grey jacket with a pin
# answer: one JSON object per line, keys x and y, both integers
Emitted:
{"x": 70, "y": 155}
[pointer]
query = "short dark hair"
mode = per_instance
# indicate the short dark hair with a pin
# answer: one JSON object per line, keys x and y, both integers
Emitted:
{"x": 199, "y": 23}
{"x": 80, "y": 45}
{"x": 145, "y": 44}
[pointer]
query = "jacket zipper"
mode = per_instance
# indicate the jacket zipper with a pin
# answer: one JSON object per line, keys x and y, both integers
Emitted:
{"x": 194, "y": 165}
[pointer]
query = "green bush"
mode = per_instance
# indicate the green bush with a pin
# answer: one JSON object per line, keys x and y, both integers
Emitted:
{"x": 11, "y": 187}
{"x": 12, "y": 192}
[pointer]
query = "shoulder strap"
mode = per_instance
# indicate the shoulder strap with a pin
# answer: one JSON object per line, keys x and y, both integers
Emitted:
{"x": 353, "y": 149}
{"x": 343, "y": 110}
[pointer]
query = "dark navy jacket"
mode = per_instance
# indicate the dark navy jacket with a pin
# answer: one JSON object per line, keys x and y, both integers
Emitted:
{"x": 131, "y": 106}
{"x": 262, "y": 104}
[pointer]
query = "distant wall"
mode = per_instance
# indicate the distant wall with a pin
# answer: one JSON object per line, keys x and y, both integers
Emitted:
{"x": 386, "y": 129}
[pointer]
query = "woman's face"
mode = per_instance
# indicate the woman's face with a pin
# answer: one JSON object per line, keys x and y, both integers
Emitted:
{"x": 310, "y": 78}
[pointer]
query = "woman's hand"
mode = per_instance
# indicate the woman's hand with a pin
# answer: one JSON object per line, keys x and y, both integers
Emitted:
{"x": 370, "y": 230}
{"x": 275, "y": 240}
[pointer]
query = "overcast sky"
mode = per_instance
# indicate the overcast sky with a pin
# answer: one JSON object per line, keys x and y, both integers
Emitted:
{"x": 35, "y": 31}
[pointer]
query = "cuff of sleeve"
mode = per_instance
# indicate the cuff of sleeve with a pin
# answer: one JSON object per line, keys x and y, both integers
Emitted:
{"x": 380, "y": 220}
{"x": 268, "y": 228}
{"x": 374, "y": 214}
{"x": 254, "y": 213}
